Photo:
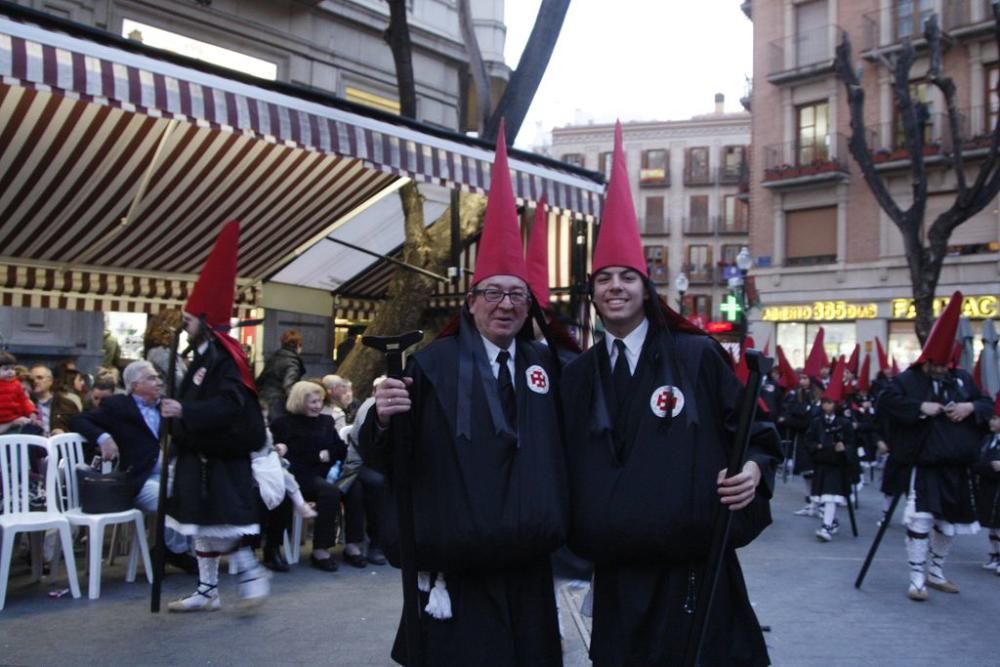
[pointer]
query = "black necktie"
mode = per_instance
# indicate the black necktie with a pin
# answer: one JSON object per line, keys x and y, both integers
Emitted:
{"x": 621, "y": 374}
{"x": 507, "y": 400}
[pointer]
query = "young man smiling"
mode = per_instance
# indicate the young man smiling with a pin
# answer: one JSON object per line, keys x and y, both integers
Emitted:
{"x": 487, "y": 471}
{"x": 650, "y": 412}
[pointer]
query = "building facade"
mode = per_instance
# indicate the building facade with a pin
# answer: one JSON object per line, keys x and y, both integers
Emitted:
{"x": 825, "y": 252}
{"x": 686, "y": 181}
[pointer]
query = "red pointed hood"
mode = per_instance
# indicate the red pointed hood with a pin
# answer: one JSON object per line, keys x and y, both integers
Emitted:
{"x": 500, "y": 251}
{"x": 835, "y": 392}
{"x": 618, "y": 242}
{"x": 789, "y": 378}
{"x": 996, "y": 406}
{"x": 883, "y": 358}
{"x": 941, "y": 341}
{"x": 741, "y": 370}
{"x": 864, "y": 382}
{"x": 956, "y": 355}
{"x": 213, "y": 293}
{"x": 767, "y": 347}
{"x": 852, "y": 363}
{"x": 895, "y": 367}
{"x": 817, "y": 357}
{"x": 538, "y": 256}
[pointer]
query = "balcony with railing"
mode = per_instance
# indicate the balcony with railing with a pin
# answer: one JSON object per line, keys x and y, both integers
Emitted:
{"x": 889, "y": 149}
{"x": 730, "y": 174}
{"x": 698, "y": 177}
{"x": 656, "y": 225}
{"x": 699, "y": 226}
{"x": 654, "y": 177}
{"x": 796, "y": 163}
{"x": 887, "y": 27}
{"x": 700, "y": 274}
{"x": 804, "y": 54}
{"x": 732, "y": 226}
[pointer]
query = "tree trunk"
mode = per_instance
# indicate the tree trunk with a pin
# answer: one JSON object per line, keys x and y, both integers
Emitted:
{"x": 397, "y": 36}
{"x": 520, "y": 91}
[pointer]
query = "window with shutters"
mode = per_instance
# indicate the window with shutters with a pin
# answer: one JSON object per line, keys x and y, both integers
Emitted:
{"x": 696, "y": 166}
{"x": 655, "y": 170}
{"x": 735, "y": 215}
{"x": 699, "y": 263}
{"x": 656, "y": 263}
{"x": 698, "y": 305}
{"x": 811, "y": 236}
{"x": 655, "y": 220}
{"x": 918, "y": 93}
{"x": 697, "y": 221}
{"x": 604, "y": 161}
{"x": 732, "y": 164}
{"x": 909, "y": 17}
{"x": 992, "y": 72}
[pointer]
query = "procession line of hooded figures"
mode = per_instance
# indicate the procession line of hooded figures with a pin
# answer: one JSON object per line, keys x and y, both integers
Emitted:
{"x": 517, "y": 447}
{"x": 933, "y": 428}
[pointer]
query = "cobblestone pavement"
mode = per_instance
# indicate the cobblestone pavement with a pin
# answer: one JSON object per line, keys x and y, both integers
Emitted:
{"x": 801, "y": 588}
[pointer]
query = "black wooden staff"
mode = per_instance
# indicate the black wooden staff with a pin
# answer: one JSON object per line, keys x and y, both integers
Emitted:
{"x": 166, "y": 423}
{"x": 759, "y": 366}
{"x": 393, "y": 348}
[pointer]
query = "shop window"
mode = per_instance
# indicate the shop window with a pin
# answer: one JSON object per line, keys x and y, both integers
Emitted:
{"x": 193, "y": 48}
{"x": 811, "y": 236}
{"x": 796, "y": 339}
{"x": 128, "y": 329}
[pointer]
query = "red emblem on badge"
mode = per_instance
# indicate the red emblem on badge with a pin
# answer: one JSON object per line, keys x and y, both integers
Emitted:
{"x": 538, "y": 379}
{"x": 666, "y": 399}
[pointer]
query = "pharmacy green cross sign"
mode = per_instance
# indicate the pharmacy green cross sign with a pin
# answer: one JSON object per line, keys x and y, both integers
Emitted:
{"x": 731, "y": 308}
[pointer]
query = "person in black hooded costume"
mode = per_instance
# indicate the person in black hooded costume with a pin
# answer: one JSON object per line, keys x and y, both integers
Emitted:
{"x": 650, "y": 413}
{"x": 487, "y": 473}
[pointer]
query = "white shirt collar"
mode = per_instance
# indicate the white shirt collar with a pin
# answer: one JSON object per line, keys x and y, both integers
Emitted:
{"x": 633, "y": 344}
{"x": 492, "y": 350}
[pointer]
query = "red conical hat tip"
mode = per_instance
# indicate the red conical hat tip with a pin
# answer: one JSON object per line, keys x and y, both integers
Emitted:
{"x": 864, "y": 382}
{"x": 883, "y": 358}
{"x": 618, "y": 242}
{"x": 996, "y": 406}
{"x": 213, "y": 293}
{"x": 940, "y": 342}
{"x": 852, "y": 363}
{"x": 538, "y": 256}
{"x": 500, "y": 251}
{"x": 817, "y": 356}
{"x": 789, "y": 378}
{"x": 835, "y": 391}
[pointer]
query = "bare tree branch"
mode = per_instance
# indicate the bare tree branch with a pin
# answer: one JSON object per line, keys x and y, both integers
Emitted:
{"x": 520, "y": 91}
{"x": 397, "y": 36}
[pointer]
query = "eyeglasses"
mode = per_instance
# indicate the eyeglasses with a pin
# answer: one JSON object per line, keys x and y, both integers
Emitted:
{"x": 495, "y": 295}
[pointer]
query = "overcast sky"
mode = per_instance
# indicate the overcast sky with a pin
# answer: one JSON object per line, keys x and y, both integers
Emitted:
{"x": 634, "y": 60}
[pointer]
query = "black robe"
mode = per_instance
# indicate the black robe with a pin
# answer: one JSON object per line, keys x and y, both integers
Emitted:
{"x": 988, "y": 483}
{"x": 834, "y": 471}
{"x": 800, "y": 409}
{"x": 644, "y": 497}
{"x": 942, "y": 450}
{"x": 490, "y": 502}
{"x": 220, "y": 425}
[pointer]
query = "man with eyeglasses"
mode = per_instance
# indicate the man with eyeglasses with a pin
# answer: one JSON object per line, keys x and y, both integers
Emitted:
{"x": 126, "y": 428}
{"x": 487, "y": 476}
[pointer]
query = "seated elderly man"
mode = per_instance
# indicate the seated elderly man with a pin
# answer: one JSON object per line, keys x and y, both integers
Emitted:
{"x": 333, "y": 405}
{"x": 127, "y": 427}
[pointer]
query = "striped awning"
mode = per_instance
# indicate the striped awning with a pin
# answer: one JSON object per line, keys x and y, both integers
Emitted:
{"x": 125, "y": 161}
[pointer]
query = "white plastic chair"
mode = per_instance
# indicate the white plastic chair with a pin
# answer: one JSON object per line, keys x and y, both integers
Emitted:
{"x": 67, "y": 450}
{"x": 18, "y": 516}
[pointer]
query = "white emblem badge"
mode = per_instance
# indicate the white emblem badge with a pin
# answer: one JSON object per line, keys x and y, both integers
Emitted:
{"x": 666, "y": 398}
{"x": 199, "y": 375}
{"x": 538, "y": 379}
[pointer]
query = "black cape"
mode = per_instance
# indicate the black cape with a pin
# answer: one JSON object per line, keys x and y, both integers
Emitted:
{"x": 644, "y": 498}
{"x": 490, "y": 501}
{"x": 834, "y": 471}
{"x": 942, "y": 450}
{"x": 988, "y": 483}
{"x": 221, "y": 424}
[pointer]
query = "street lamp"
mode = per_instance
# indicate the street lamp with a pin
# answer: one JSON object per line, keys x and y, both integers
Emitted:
{"x": 744, "y": 262}
{"x": 681, "y": 283}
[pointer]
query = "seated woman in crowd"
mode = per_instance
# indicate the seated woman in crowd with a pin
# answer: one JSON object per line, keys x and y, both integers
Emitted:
{"x": 314, "y": 447}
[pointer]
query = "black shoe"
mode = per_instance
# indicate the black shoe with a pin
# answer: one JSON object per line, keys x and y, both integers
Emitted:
{"x": 355, "y": 560}
{"x": 184, "y": 562}
{"x": 375, "y": 556}
{"x": 325, "y": 564}
{"x": 273, "y": 560}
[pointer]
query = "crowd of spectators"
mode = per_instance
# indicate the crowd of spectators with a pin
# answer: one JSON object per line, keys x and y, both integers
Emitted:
{"x": 310, "y": 421}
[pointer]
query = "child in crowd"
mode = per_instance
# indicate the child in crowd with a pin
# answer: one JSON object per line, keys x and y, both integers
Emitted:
{"x": 830, "y": 440}
{"x": 988, "y": 488}
{"x": 17, "y": 413}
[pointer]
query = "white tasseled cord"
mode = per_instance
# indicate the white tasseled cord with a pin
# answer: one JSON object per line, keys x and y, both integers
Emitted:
{"x": 439, "y": 603}
{"x": 424, "y": 582}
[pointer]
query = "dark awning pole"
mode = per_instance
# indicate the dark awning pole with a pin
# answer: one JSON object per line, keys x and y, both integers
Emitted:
{"x": 391, "y": 260}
